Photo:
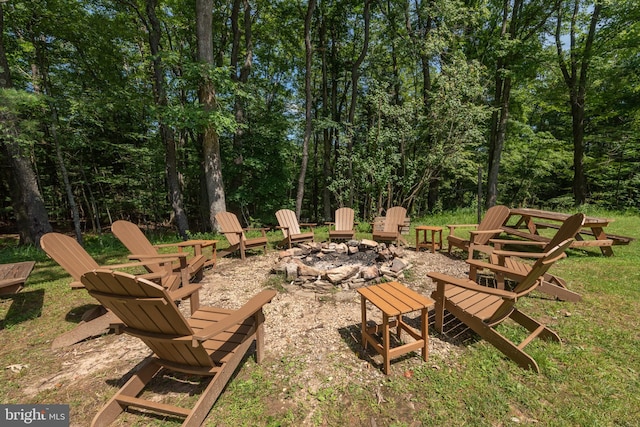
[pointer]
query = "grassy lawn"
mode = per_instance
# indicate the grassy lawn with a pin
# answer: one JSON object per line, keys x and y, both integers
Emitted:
{"x": 592, "y": 379}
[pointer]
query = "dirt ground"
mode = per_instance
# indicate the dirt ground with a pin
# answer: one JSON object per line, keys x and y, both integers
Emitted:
{"x": 317, "y": 329}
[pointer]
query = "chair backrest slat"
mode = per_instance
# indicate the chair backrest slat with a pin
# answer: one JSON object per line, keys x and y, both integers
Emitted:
{"x": 136, "y": 242}
{"x": 67, "y": 252}
{"x": 493, "y": 220}
{"x": 148, "y": 313}
{"x": 567, "y": 230}
{"x": 395, "y": 217}
{"x": 288, "y": 221}
{"x": 230, "y": 227}
{"x": 344, "y": 219}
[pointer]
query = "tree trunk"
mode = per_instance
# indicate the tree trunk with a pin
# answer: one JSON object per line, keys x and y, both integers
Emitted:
{"x": 355, "y": 76}
{"x": 326, "y": 135}
{"x": 575, "y": 77}
{"x": 308, "y": 106}
{"x": 207, "y": 97}
{"x": 166, "y": 133}
{"x": 29, "y": 209}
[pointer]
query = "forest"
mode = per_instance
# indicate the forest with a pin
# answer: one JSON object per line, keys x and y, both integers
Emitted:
{"x": 168, "y": 112}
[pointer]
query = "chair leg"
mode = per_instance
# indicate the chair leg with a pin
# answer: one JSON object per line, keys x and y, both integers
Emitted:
{"x": 132, "y": 388}
{"x": 209, "y": 396}
{"x": 499, "y": 341}
{"x": 93, "y": 328}
{"x": 533, "y": 325}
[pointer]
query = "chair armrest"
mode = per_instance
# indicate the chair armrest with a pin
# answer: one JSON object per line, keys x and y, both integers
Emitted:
{"x": 308, "y": 224}
{"x": 517, "y": 242}
{"x": 185, "y": 291}
{"x": 496, "y": 268}
{"x": 254, "y": 305}
{"x": 495, "y": 231}
{"x": 440, "y": 278}
{"x": 158, "y": 257}
{"x": 150, "y": 259}
{"x": 263, "y": 230}
{"x": 504, "y": 254}
{"x": 452, "y": 227}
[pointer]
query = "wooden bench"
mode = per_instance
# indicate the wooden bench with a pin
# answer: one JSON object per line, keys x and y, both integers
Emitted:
{"x": 13, "y": 276}
{"x": 615, "y": 238}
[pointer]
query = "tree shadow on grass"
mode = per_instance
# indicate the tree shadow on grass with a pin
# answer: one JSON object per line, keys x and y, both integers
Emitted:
{"x": 25, "y": 306}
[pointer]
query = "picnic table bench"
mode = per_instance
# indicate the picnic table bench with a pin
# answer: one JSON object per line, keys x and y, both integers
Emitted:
{"x": 592, "y": 233}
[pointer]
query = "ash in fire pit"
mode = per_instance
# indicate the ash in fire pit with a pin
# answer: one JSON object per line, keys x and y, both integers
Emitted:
{"x": 325, "y": 266}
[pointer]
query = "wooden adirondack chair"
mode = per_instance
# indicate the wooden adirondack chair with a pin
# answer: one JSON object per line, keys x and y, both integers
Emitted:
{"x": 549, "y": 283}
{"x": 190, "y": 267}
{"x": 391, "y": 231}
{"x": 288, "y": 223}
{"x": 13, "y": 276}
{"x": 343, "y": 227}
{"x": 489, "y": 227}
{"x": 211, "y": 343}
{"x": 482, "y": 308}
{"x": 67, "y": 252}
{"x": 230, "y": 227}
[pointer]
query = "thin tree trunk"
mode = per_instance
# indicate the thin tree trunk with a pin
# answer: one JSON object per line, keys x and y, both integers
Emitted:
{"x": 166, "y": 132}
{"x": 575, "y": 77}
{"x": 355, "y": 76}
{"x": 207, "y": 97}
{"x": 308, "y": 106}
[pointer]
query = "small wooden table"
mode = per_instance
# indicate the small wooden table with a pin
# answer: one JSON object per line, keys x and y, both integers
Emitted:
{"x": 435, "y": 243}
{"x": 394, "y": 300}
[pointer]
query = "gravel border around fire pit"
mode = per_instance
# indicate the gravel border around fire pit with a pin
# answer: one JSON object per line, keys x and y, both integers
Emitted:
{"x": 321, "y": 331}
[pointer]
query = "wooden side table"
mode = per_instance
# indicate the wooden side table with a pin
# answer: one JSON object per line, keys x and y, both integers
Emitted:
{"x": 436, "y": 239}
{"x": 394, "y": 300}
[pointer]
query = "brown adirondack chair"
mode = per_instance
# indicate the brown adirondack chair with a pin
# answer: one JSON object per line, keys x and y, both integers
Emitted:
{"x": 481, "y": 308}
{"x": 230, "y": 227}
{"x": 67, "y": 252}
{"x": 190, "y": 266}
{"x": 288, "y": 223}
{"x": 13, "y": 276}
{"x": 512, "y": 260}
{"x": 391, "y": 231}
{"x": 211, "y": 343}
{"x": 343, "y": 227}
{"x": 488, "y": 228}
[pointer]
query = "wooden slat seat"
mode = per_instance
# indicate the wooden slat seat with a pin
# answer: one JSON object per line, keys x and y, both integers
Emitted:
{"x": 394, "y": 222}
{"x": 482, "y": 308}
{"x": 211, "y": 343}
{"x": 235, "y": 234}
{"x": 343, "y": 227}
{"x": 288, "y": 223}
{"x": 489, "y": 227}
{"x": 190, "y": 266}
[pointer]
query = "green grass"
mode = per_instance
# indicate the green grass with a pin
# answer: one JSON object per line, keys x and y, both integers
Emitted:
{"x": 592, "y": 379}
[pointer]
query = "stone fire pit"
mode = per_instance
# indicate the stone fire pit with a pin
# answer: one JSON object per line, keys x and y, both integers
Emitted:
{"x": 324, "y": 267}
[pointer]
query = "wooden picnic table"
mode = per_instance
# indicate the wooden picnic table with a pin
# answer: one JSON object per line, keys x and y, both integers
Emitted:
{"x": 593, "y": 227}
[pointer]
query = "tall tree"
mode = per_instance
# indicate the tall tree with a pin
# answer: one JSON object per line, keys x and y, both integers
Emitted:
{"x": 167, "y": 134}
{"x": 520, "y": 25}
{"x": 207, "y": 96}
{"x": 308, "y": 49}
{"x": 28, "y": 205}
{"x": 575, "y": 68}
